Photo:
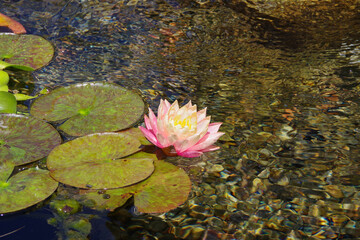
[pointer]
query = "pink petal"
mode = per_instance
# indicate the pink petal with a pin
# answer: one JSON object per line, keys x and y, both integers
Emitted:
{"x": 202, "y": 126}
{"x": 201, "y": 114}
{"x": 147, "y": 122}
{"x": 214, "y": 127}
{"x": 165, "y": 141}
{"x": 149, "y": 135}
{"x": 181, "y": 146}
{"x": 210, "y": 148}
{"x": 206, "y": 141}
{"x": 153, "y": 121}
{"x": 190, "y": 154}
{"x": 163, "y": 108}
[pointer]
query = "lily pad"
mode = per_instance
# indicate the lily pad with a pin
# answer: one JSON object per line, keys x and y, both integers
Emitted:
{"x": 25, "y": 189}
{"x": 4, "y": 65}
{"x": 29, "y": 50}
{"x": 96, "y": 161}
{"x": 25, "y": 139}
{"x": 10, "y": 23}
{"x": 90, "y": 108}
{"x": 167, "y": 188}
{"x": 7, "y": 102}
{"x": 136, "y": 132}
{"x": 4, "y": 80}
{"x": 6, "y": 168}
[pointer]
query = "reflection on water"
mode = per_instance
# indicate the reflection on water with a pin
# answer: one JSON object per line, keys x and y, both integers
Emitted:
{"x": 284, "y": 79}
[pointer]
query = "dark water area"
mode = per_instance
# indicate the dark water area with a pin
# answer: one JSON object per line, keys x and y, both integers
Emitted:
{"x": 282, "y": 76}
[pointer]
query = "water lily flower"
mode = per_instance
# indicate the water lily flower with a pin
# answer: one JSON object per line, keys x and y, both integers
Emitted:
{"x": 181, "y": 131}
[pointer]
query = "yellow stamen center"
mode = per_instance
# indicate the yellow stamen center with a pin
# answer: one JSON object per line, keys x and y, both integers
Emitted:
{"x": 184, "y": 122}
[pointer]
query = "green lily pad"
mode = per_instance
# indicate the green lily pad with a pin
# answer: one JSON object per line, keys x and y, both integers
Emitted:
{"x": 90, "y": 107}
{"x": 25, "y": 189}
{"x": 29, "y": 50}
{"x": 6, "y": 168}
{"x": 7, "y": 102}
{"x": 167, "y": 188}
{"x": 25, "y": 139}
{"x": 4, "y": 78}
{"x": 109, "y": 199}
{"x": 4, "y": 65}
{"x": 96, "y": 161}
{"x": 136, "y": 132}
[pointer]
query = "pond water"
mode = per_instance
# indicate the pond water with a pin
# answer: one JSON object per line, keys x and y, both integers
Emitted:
{"x": 282, "y": 76}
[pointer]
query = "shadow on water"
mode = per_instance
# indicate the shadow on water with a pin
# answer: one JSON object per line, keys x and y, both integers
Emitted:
{"x": 284, "y": 79}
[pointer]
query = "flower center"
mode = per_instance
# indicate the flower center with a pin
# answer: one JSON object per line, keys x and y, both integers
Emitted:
{"x": 184, "y": 122}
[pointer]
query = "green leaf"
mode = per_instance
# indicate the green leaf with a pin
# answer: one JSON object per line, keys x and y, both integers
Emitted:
{"x": 4, "y": 88}
{"x": 7, "y": 102}
{"x": 23, "y": 97}
{"x": 90, "y": 108}
{"x": 25, "y": 51}
{"x": 4, "y": 78}
{"x": 25, "y": 139}
{"x": 136, "y": 132}
{"x": 167, "y": 188}
{"x": 4, "y": 65}
{"x": 97, "y": 161}
{"x": 25, "y": 189}
{"x": 6, "y": 168}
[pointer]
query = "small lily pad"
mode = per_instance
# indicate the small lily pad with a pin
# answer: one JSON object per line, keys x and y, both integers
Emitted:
{"x": 7, "y": 102}
{"x": 4, "y": 79}
{"x": 25, "y": 139}
{"x": 10, "y": 23}
{"x": 29, "y": 50}
{"x": 90, "y": 108}
{"x": 167, "y": 188}
{"x": 96, "y": 161}
{"x": 25, "y": 189}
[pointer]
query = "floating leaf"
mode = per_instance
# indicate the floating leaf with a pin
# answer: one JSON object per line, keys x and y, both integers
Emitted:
{"x": 10, "y": 23}
{"x": 4, "y": 79}
{"x": 95, "y": 161}
{"x": 25, "y": 139}
{"x": 7, "y": 102}
{"x": 25, "y": 189}
{"x": 90, "y": 108}
{"x": 29, "y": 50}
{"x": 6, "y": 168}
{"x": 4, "y": 65}
{"x": 138, "y": 134}
{"x": 23, "y": 97}
{"x": 109, "y": 200}
{"x": 167, "y": 188}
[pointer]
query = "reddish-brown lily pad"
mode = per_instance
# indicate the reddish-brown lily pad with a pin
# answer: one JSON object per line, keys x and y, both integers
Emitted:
{"x": 29, "y": 50}
{"x": 25, "y": 139}
{"x": 11, "y": 24}
{"x": 96, "y": 161}
{"x": 90, "y": 108}
{"x": 25, "y": 189}
{"x": 167, "y": 188}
